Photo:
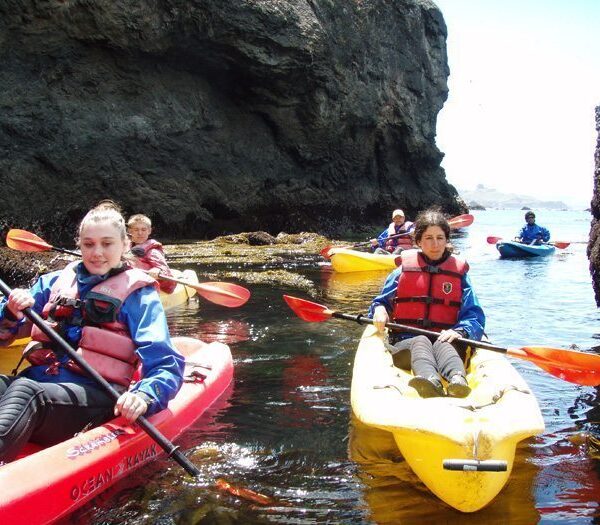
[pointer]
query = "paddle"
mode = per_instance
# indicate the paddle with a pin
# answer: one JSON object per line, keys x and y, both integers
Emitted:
{"x": 224, "y": 294}
{"x": 559, "y": 244}
{"x": 165, "y": 444}
{"x": 460, "y": 221}
{"x": 570, "y": 365}
{"x": 25, "y": 241}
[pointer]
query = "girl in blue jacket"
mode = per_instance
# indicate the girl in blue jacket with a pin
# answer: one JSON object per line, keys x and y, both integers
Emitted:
{"x": 47, "y": 404}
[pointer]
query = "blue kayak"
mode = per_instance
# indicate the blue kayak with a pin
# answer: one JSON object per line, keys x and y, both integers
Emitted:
{"x": 517, "y": 249}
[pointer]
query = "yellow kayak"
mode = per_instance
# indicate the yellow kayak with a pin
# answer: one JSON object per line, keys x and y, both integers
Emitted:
{"x": 180, "y": 295}
{"x": 347, "y": 260}
{"x": 462, "y": 449}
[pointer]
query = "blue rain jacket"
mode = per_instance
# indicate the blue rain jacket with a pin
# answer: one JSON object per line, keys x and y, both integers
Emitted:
{"x": 142, "y": 312}
{"x": 533, "y": 232}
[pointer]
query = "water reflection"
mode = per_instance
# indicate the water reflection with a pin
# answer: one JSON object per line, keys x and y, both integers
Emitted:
{"x": 353, "y": 289}
{"x": 568, "y": 486}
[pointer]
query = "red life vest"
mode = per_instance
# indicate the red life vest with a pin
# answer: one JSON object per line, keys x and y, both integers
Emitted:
{"x": 105, "y": 342}
{"x": 142, "y": 262}
{"x": 405, "y": 241}
{"x": 429, "y": 296}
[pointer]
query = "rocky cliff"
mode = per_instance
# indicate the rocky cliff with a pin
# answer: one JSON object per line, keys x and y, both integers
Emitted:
{"x": 593, "y": 249}
{"x": 214, "y": 116}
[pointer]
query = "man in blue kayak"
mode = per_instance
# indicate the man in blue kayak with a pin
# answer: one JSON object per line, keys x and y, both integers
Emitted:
{"x": 532, "y": 233}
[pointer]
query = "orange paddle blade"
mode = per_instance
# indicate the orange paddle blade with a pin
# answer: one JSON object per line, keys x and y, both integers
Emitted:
{"x": 560, "y": 244}
{"x": 577, "y": 367}
{"x": 493, "y": 240}
{"x": 461, "y": 221}
{"x": 307, "y": 310}
{"x": 225, "y": 294}
{"x": 25, "y": 241}
{"x": 246, "y": 494}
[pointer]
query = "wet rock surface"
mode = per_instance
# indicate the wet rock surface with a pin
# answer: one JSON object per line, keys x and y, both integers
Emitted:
{"x": 22, "y": 269}
{"x": 230, "y": 257}
{"x": 216, "y": 117}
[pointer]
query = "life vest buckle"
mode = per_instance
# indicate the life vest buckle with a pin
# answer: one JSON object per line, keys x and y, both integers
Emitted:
{"x": 73, "y": 302}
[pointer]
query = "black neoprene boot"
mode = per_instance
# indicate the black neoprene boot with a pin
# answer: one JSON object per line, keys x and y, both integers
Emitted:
{"x": 430, "y": 387}
{"x": 458, "y": 387}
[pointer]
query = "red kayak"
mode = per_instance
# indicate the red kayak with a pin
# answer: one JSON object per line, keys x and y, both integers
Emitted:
{"x": 46, "y": 484}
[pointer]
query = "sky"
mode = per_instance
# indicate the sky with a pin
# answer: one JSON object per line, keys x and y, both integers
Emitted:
{"x": 524, "y": 82}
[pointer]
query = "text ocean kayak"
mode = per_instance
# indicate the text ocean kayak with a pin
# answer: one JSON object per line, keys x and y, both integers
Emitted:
{"x": 517, "y": 249}
{"x": 471, "y": 435}
{"x": 48, "y": 484}
{"x": 347, "y": 260}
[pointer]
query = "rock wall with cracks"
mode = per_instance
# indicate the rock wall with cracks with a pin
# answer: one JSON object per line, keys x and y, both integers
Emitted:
{"x": 593, "y": 249}
{"x": 215, "y": 117}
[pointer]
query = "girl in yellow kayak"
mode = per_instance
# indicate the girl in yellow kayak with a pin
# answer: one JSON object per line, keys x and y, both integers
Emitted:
{"x": 431, "y": 289}
{"x": 114, "y": 315}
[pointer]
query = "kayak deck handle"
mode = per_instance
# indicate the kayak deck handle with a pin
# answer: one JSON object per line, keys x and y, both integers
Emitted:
{"x": 475, "y": 465}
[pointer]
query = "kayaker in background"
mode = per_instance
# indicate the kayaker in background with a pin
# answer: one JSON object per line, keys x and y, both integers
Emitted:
{"x": 431, "y": 289}
{"x": 109, "y": 310}
{"x": 399, "y": 225}
{"x": 532, "y": 233}
{"x": 149, "y": 254}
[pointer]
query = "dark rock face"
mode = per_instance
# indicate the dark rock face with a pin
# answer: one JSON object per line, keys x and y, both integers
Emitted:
{"x": 213, "y": 116}
{"x": 593, "y": 249}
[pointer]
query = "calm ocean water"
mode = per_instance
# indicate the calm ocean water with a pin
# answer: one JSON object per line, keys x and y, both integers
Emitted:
{"x": 284, "y": 428}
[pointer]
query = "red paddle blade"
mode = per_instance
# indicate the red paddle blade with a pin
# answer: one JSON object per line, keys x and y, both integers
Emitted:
{"x": 570, "y": 365}
{"x": 225, "y": 294}
{"x": 307, "y": 310}
{"x": 493, "y": 240}
{"x": 461, "y": 221}
{"x": 25, "y": 241}
{"x": 325, "y": 251}
{"x": 561, "y": 245}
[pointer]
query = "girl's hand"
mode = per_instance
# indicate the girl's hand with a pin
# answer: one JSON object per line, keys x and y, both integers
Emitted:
{"x": 130, "y": 406}
{"x": 448, "y": 336}
{"x": 18, "y": 300}
{"x": 380, "y": 318}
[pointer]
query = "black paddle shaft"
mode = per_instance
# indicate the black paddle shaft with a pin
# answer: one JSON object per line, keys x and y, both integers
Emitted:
{"x": 68, "y": 252}
{"x": 151, "y": 430}
{"x": 361, "y": 319}
{"x": 367, "y": 243}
